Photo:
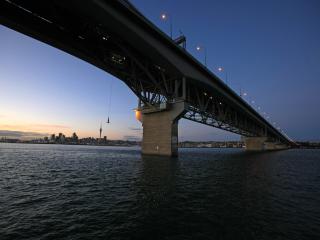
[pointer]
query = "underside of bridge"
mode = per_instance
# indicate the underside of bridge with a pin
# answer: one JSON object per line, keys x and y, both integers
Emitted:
{"x": 115, "y": 37}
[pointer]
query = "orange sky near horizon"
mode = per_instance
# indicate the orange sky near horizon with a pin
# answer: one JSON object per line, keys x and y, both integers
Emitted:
{"x": 12, "y": 123}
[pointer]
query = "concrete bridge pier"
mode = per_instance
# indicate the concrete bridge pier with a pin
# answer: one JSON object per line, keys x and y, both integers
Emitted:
{"x": 255, "y": 143}
{"x": 281, "y": 146}
{"x": 269, "y": 146}
{"x": 160, "y": 128}
{"x": 262, "y": 143}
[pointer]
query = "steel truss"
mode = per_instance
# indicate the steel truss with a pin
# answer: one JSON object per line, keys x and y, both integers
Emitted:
{"x": 152, "y": 84}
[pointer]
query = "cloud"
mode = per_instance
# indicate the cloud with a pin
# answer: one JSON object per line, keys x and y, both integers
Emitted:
{"x": 50, "y": 126}
{"x": 131, "y": 138}
{"x": 135, "y": 129}
{"x": 135, "y": 136}
{"x": 21, "y": 135}
{"x": 34, "y": 127}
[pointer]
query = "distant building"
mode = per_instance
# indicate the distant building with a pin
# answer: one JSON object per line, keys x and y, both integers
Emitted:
{"x": 74, "y": 138}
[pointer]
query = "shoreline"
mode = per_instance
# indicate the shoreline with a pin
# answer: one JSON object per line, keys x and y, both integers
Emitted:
{"x": 138, "y": 145}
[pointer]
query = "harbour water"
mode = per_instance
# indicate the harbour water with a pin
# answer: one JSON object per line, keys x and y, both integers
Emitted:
{"x": 87, "y": 192}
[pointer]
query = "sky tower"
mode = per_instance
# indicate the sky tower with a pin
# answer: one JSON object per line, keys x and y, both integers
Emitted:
{"x": 100, "y": 130}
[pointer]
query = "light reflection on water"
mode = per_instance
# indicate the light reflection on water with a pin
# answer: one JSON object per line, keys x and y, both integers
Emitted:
{"x": 86, "y": 192}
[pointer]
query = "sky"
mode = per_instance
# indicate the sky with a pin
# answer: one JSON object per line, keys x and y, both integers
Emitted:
{"x": 268, "y": 48}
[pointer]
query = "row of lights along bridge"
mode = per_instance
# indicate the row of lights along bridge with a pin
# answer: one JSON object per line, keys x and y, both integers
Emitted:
{"x": 166, "y": 17}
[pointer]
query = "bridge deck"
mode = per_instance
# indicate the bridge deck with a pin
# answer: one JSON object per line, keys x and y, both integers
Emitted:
{"x": 117, "y": 38}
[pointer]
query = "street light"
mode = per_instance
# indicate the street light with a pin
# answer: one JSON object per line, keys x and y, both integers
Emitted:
{"x": 220, "y": 69}
{"x": 165, "y": 17}
{"x": 201, "y": 48}
{"x": 243, "y": 94}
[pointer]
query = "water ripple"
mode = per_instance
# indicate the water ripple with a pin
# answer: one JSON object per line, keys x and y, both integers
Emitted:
{"x": 85, "y": 192}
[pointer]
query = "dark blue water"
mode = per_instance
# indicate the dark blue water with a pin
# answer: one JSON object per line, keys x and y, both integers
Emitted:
{"x": 79, "y": 192}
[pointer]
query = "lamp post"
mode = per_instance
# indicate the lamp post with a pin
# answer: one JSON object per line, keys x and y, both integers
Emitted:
{"x": 221, "y": 69}
{"x": 165, "y": 17}
{"x": 243, "y": 94}
{"x": 201, "y": 48}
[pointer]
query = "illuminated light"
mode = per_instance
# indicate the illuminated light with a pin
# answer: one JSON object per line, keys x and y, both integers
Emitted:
{"x": 104, "y": 38}
{"x": 118, "y": 58}
{"x": 44, "y": 19}
{"x": 205, "y": 94}
{"x": 220, "y": 69}
{"x": 211, "y": 98}
{"x": 220, "y": 103}
{"x": 252, "y": 102}
{"x": 138, "y": 114}
{"x": 163, "y": 16}
{"x": 245, "y": 94}
{"x": 198, "y": 48}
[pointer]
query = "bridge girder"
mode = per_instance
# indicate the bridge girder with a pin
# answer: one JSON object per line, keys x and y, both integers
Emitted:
{"x": 150, "y": 78}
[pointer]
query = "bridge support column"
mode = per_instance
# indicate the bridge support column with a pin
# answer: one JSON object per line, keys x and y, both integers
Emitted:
{"x": 255, "y": 143}
{"x": 160, "y": 129}
{"x": 270, "y": 146}
{"x": 281, "y": 147}
{"x": 262, "y": 143}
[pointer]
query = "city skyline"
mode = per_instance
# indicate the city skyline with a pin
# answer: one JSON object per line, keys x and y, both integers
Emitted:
{"x": 45, "y": 90}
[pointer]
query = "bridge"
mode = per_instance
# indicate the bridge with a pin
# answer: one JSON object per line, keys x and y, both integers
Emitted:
{"x": 170, "y": 83}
